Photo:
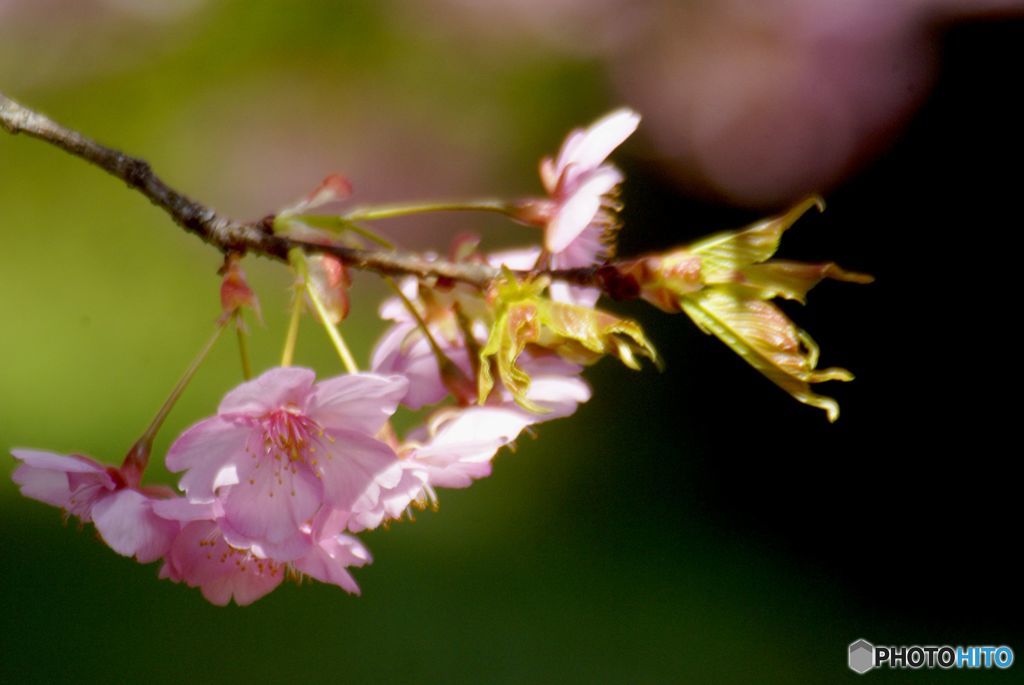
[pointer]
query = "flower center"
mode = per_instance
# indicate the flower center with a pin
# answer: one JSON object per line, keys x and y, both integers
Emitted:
{"x": 216, "y": 549}
{"x": 290, "y": 436}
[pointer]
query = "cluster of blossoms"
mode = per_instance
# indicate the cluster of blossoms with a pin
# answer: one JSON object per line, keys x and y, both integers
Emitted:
{"x": 278, "y": 482}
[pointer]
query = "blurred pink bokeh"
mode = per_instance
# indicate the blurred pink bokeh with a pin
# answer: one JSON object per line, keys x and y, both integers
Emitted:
{"x": 751, "y": 103}
{"x": 755, "y": 103}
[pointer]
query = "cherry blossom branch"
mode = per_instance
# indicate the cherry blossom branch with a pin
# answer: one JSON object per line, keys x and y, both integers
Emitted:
{"x": 230, "y": 236}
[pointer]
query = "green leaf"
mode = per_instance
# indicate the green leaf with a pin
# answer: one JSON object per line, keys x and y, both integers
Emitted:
{"x": 792, "y": 280}
{"x": 725, "y": 253}
{"x": 765, "y": 338}
{"x": 524, "y": 316}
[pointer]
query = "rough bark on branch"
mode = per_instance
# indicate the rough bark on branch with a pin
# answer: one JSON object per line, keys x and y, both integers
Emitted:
{"x": 227, "y": 234}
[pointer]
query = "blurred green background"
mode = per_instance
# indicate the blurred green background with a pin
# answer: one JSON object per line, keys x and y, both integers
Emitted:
{"x": 639, "y": 541}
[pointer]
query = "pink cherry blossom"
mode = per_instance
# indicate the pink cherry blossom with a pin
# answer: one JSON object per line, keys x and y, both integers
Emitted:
{"x": 333, "y": 553}
{"x": 457, "y": 444}
{"x": 580, "y": 183}
{"x": 403, "y": 349}
{"x": 394, "y": 502}
{"x": 282, "y": 447}
{"x": 203, "y": 555}
{"x": 123, "y": 515}
{"x": 200, "y": 557}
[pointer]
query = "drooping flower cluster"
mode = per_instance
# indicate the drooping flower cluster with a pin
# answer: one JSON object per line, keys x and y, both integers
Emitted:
{"x": 280, "y": 480}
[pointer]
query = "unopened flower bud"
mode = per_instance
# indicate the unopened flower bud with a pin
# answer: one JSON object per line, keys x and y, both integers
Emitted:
{"x": 331, "y": 280}
{"x": 235, "y": 292}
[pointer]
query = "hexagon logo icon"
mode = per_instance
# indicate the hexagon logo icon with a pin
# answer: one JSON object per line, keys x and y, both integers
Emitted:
{"x": 862, "y": 656}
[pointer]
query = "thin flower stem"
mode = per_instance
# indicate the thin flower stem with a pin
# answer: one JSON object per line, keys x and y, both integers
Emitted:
{"x": 138, "y": 456}
{"x": 339, "y": 224}
{"x": 411, "y": 307}
{"x": 453, "y": 378}
{"x": 298, "y": 260}
{"x": 375, "y": 237}
{"x": 332, "y": 331}
{"x": 468, "y": 339}
{"x": 243, "y": 345}
{"x": 393, "y": 211}
{"x": 288, "y": 353}
{"x": 161, "y": 415}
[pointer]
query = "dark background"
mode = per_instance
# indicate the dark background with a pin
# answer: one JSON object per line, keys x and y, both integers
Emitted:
{"x": 911, "y": 500}
{"x": 695, "y": 525}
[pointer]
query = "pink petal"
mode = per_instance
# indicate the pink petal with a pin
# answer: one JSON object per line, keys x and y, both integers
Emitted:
{"x": 292, "y": 547}
{"x": 415, "y": 362}
{"x": 463, "y": 446}
{"x": 355, "y": 470}
{"x": 328, "y": 523}
{"x": 520, "y": 259}
{"x": 548, "y": 364}
{"x": 549, "y": 174}
{"x": 576, "y": 213}
{"x": 245, "y": 587}
{"x": 328, "y": 561}
{"x": 356, "y": 402}
{"x": 214, "y": 452}
{"x": 474, "y": 433}
{"x": 195, "y": 546}
{"x": 604, "y": 135}
{"x": 200, "y": 557}
{"x": 184, "y": 511}
{"x": 274, "y": 389}
{"x": 46, "y": 486}
{"x": 393, "y": 309}
{"x": 586, "y": 249}
{"x": 393, "y": 501}
{"x": 570, "y": 220}
{"x": 218, "y": 591}
{"x": 50, "y": 461}
{"x": 169, "y": 572}
{"x": 71, "y": 482}
{"x": 572, "y": 294}
{"x": 566, "y": 156}
{"x": 387, "y": 353}
{"x": 556, "y": 385}
{"x": 273, "y": 503}
{"x": 559, "y": 395}
{"x": 125, "y": 520}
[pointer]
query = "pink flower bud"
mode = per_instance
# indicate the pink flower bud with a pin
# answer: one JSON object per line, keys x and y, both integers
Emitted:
{"x": 329, "y": 276}
{"x": 235, "y": 292}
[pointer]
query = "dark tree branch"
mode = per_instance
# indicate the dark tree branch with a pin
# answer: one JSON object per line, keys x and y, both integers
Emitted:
{"x": 229, "y": 235}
